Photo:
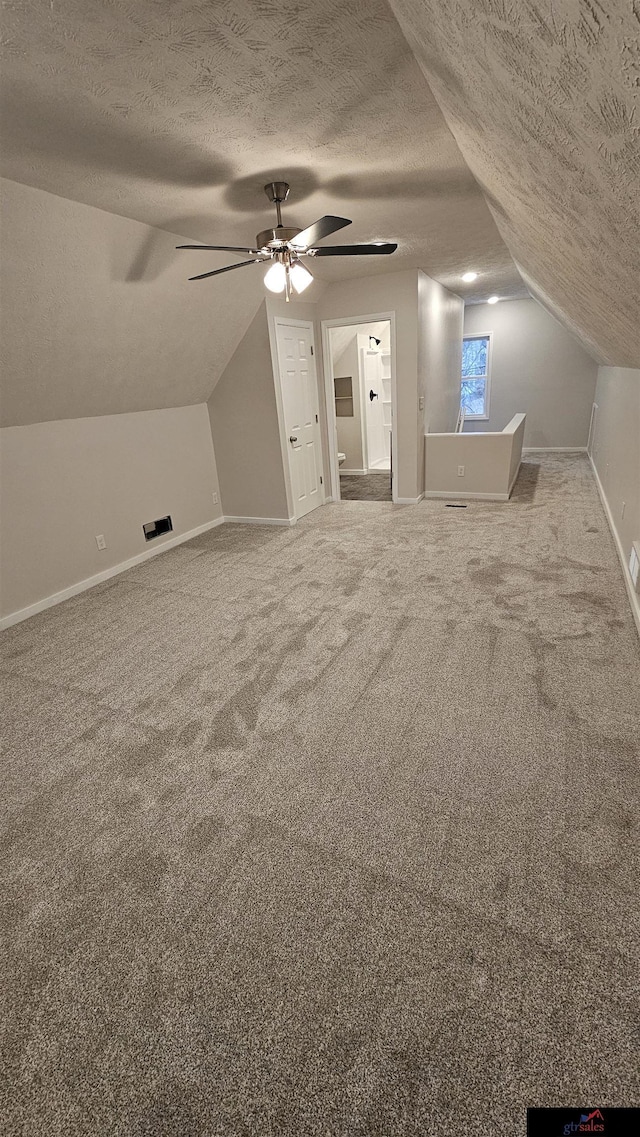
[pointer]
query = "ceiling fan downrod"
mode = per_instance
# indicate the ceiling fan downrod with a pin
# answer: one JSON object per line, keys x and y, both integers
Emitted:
{"x": 277, "y": 192}
{"x": 278, "y": 237}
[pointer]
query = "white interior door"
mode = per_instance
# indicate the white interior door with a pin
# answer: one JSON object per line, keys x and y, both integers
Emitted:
{"x": 373, "y": 400}
{"x": 299, "y": 388}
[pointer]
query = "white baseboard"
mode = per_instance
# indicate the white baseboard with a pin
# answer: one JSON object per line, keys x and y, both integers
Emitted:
{"x": 360, "y": 473}
{"x": 409, "y": 500}
{"x": 634, "y": 599}
{"x": 554, "y": 450}
{"x": 91, "y": 581}
{"x": 469, "y": 496}
{"x": 260, "y": 520}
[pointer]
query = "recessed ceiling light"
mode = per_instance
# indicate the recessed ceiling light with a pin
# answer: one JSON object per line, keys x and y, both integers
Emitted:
{"x": 469, "y": 276}
{"x": 493, "y": 300}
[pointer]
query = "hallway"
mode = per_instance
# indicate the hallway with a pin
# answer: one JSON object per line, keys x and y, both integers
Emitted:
{"x": 329, "y": 831}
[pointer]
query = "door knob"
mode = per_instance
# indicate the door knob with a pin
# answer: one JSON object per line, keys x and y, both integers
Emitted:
{"x": 373, "y": 395}
{"x": 293, "y": 438}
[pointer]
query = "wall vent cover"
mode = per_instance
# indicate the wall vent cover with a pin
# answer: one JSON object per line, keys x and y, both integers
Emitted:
{"x": 157, "y": 528}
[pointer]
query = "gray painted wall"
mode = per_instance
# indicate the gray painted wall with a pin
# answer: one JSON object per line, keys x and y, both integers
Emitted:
{"x": 440, "y": 318}
{"x": 537, "y": 367}
{"x": 245, "y": 429}
{"x": 99, "y": 317}
{"x": 616, "y": 450}
{"x": 62, "y": 483}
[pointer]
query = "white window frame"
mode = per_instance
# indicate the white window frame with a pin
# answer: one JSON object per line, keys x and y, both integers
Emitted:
{"x": 487, "y": 378}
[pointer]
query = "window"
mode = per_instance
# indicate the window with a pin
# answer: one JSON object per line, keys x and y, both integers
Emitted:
{"x": 476, "y": 363}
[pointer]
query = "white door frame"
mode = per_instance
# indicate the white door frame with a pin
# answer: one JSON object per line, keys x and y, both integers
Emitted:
{"x": 330, "y": 405}
{"x": 364, "y": 433}
{"x": 274, "y": 323}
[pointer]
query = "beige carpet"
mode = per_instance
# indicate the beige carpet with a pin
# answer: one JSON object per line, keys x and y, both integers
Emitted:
{"x": 328, "y": 831}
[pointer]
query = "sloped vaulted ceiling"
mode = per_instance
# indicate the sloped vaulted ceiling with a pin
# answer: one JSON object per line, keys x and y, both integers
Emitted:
{"x": 175, "y": 113}
{"x": 543, "y": 97}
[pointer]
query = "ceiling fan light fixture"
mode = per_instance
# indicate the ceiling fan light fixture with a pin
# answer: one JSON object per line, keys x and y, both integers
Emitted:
{"x": 284, "y": 244}
{"x": 275, "y": 277}
{"x": 301, "y": 278}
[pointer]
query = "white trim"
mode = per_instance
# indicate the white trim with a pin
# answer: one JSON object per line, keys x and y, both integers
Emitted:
{"x": 554, "y": 450}
{"x": 633, "y": 595}
{"x": 330, "y": 416}
{"x": 409, "y": 500}
{"x": 359, "y": 473}
{"x": 362, "y": 395}
{"x": 91, "y": 581}
{"x": 487, "y": 377}
{"x": 471, "y": 496}
{"x": 260, "y": 520}
{"x": 330, "y": 406}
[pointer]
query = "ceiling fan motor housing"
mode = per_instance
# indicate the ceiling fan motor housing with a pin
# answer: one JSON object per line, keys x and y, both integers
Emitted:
{"x": 275, "y": 238}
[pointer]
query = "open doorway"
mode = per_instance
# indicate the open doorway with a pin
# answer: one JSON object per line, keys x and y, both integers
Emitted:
{"x": 359, "y": 377}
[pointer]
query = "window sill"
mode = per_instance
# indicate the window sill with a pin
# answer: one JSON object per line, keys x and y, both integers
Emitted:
{"x": 476, "y": 418}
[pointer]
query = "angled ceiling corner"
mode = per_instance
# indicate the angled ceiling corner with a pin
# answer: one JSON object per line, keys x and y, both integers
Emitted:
{"x": 543, "y": 104}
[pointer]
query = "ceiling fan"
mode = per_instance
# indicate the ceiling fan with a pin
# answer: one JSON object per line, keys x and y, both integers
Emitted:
{"x": 284, "y": 247}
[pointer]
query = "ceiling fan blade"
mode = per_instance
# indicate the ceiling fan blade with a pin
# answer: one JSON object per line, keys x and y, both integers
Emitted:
{"x": 354, "y": 250}
{"x": 216, "y": 271}
{"x": 320, "y": 228}
{"x": 221, "y": 248}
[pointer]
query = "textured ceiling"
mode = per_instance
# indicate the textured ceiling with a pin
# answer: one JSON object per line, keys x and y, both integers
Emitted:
{"x": 543, "y": 97}
{"x": 175, "y": 112}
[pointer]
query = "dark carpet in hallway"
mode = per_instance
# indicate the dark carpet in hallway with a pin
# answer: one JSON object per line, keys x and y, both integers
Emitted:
{"x": 374, "y": 486}
{"x": 328, "y": 831}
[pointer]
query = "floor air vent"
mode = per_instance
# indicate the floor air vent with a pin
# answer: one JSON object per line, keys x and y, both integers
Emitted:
{"x": 157, "y": 528}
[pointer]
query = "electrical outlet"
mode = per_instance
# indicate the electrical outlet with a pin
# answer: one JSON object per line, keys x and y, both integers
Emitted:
{"x": 461, "y": 471}
{"x": 421, "y": 403}
{"x": 100, "y": 541}
{"x": 215, "y": 499}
